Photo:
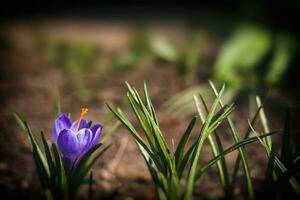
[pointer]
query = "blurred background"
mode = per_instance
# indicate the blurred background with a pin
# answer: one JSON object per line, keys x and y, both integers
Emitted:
{"x": 80, "y": 54}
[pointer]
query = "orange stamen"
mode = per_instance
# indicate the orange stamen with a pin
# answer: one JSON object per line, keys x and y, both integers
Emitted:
{"x": 83, "y": 112}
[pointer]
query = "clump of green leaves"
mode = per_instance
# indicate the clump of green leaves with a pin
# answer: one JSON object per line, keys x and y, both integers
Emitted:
{"x": 279, "y": 173}
{"x": 169, "y": 169}
{"x": 281, "y": 170}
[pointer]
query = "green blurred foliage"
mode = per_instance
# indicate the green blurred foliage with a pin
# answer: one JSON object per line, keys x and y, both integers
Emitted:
{"x": 73, "y": 57}
{"x": 145, "y": 46}
{"x": 254, "y": 57}
{"x": 284, "y": 52}
{"x": 164, "y": 49}
{"x": 185, "y": 57}
{"x": 138, "y": 51}
{"x": 239, "y": 55}
{"x": 70, "y": 55}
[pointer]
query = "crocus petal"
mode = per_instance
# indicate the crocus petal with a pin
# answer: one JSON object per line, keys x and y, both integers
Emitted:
{"x": 68, "y": 144}
{"x": 97, "y": 132}
{"x": 84, "y": 137}
{"x": 83, "y": 124}
{"x": 61, "y": 123}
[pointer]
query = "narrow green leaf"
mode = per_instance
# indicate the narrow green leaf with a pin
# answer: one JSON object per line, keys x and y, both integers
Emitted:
{"x": 216, "y": 146}
{"x": 149, "y": 104}
{"x": 264, "y": 122}
{"x": 131, "y": 90}
{"x": 236, "y": 138}
{"x": 234, "y": 147}
{"x": 150, "y": 166}
{"x": 269, "y": 178}
{"x": 19, "y": 121}
{"x": 86, "y": 163}
{"x": 82, "y": 167}
{"x": 41, "y": 170}
{"x": 89, "y": 164}
{"x": 186, "y": 159}
{"x": 200, "y": 141}
{"x": 129, "y": 126}
{"x": 62, "y": 185}
{"x": 50, "y": 161}
{"x": 238, "y": 159}
{"x": 183, "y": 141}
{"x": 81, "y": 164}
{"x": 39, "y": 159}
{"x": 123, "y": 119}
{"x": 158, "y": 137}
{"x": 296, "y": 160}
{"x": 295, "y": 185}
{"x": 25, "y": 127}
{"x": 220, "y": 116}
{"x": 145, "y": 127}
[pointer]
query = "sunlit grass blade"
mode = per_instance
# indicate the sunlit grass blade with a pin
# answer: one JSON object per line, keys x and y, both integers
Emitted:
{"x": 39, "y": 159}
{"x": 215, "y": 145}
{"x": 130, "y": 127}
{"x": 124, "y": 120}
{"x": 20, "y": 122}
{"x": 185, "y": 160}
{"x": 236, "y": 138}
{"x": 205, "y": 131}
{"x": 220, "y": 116}
{"x": 238, "y": 159}
{"x": 295, "y": 185}
{"x": 148, "y": 131}
{"x": 144, "y": 125}
{"x": 149, "y": 103}
{"x": 150, "y": 166}
{"x": 264, "y": 121}
{"x": 160, "y": 143}
{"x": 154, "y": 149}
{"x": 90, "y": 162}
{"x": 296, "y": 160}
{"x": 37, "y": 152}
{"x": 234, "y": 147}
{"x": 83, "y": 165}
{"x": 61, "y": 175}
{"x": 269, "y": 176}
{"x": 50, "y": 162}
{"x": 182, "y": 142}
{"x": 41, "y": 169}
{"x": 158, "y": 137}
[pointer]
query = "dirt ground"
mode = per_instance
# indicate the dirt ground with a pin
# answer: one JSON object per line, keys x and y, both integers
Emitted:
{"x": 29, "y": 85}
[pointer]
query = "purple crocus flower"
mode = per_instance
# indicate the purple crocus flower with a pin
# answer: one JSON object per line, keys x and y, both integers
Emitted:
{"x": 75, "y": 139}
